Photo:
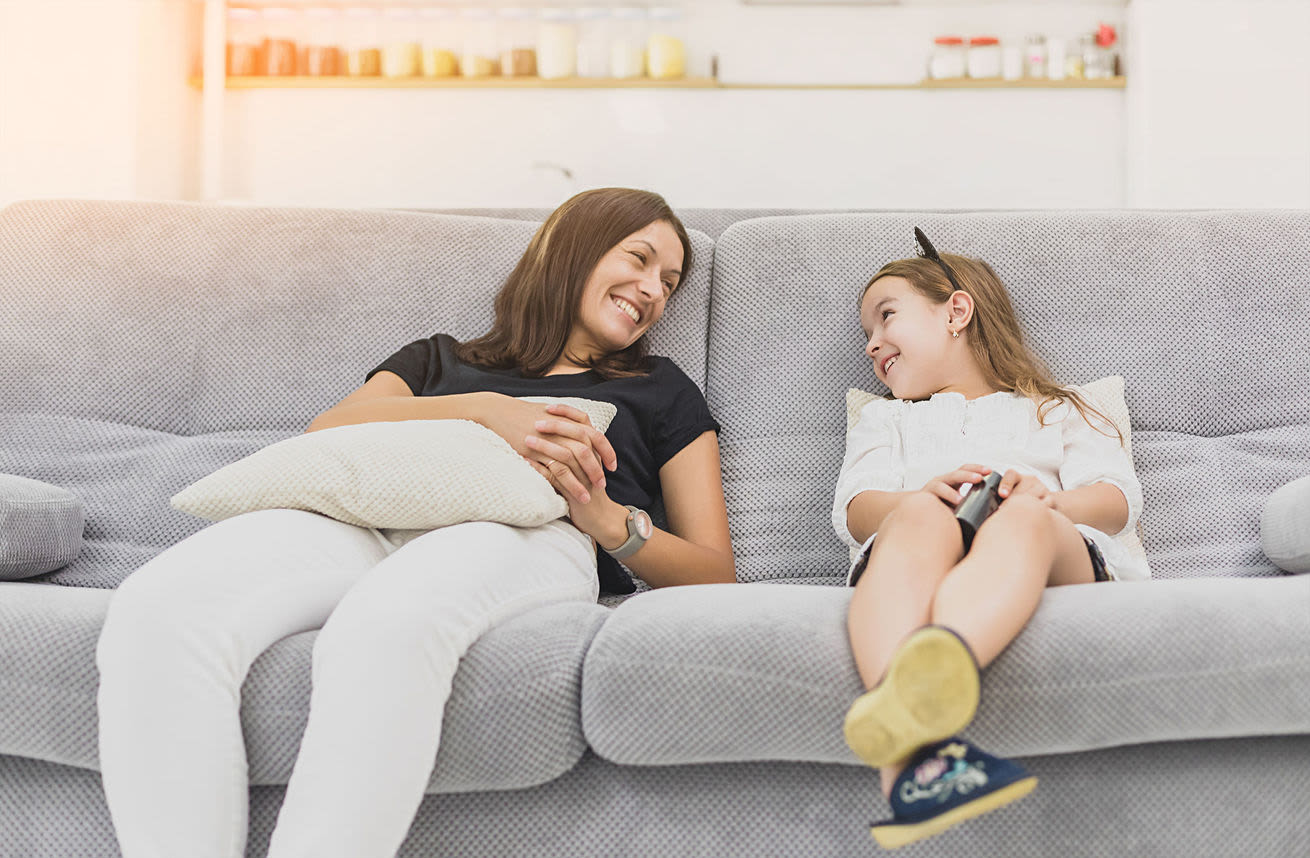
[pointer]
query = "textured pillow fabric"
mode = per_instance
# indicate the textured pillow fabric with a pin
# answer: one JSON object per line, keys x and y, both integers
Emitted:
{"x": 405, "y": 474}
{"x": 40, "y": 527}
{"x": 1285, "y": 527}
{"x": 1104, "y": 394}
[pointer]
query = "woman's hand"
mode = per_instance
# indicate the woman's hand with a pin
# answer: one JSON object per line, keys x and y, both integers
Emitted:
{"x": 598, "y": 516}
{"x": 572, "y": 450}
{"x": 1015, "y": 483}
{"x": 947, "y": 486}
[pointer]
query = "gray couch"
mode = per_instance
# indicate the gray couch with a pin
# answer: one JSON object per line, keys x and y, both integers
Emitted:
{"x": 145, "y": 345}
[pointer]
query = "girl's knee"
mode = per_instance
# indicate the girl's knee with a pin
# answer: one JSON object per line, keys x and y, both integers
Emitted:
{"x": 919, "y": 510}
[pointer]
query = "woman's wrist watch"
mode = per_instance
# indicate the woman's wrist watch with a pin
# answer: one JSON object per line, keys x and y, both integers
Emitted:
{"x": 639, "y": 530}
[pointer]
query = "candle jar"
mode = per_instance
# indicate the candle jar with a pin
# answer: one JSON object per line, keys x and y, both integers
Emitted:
{"x": 363, "y": 48}
{"x": 478, "y": 57}
{"x": 401, "y": 54}
{"x": 279, "y": 48}
{"x": 984, "y": 60}
{"x": 594, "y": 42}
{"x": 518, "y": 42}
{"x": 666, "y": 52}
{"x": 1034, "y": 57}
{"x": 440, "y": 40}
{"x": 243, "y": 42}
{"x": 557, "y": 45}
{"x": 948, "y": 58}
{"x": 628, "y": 44}
{"x": 320, "y": 55}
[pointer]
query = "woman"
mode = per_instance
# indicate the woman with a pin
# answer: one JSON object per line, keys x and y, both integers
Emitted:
{"x": 182, "y": 631}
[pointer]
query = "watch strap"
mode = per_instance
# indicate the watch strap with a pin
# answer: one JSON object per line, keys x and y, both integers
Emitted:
{"x": 634, "y": 541}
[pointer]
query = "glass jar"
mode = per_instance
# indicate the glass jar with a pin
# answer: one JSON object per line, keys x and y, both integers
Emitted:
{"x": 1012, "y": 62}
{"x": 1055, "y": 58}
{"x": 478, "y": 57}
{"x": 557, "y": 45}
{"x": 401, "y": 54}
{"x": 518, "y": 42}
{"x": 243, "y": 42}
{"x": 361, "y": 41}
{"x": 320, "y": 55}
{"x": 594, "y": 42}
{"x": 280, "y": 26}
{"x": 984, "y": 59}
{"x": 628, "y": 43}
{"x": 1034, "y": 57}
{"x": 948, "y": 58}
{"x": 666, "y": 53}
{"x": 439, "y": 38}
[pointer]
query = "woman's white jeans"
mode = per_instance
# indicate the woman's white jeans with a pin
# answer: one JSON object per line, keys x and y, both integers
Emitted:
{"x": 183, "y": 630}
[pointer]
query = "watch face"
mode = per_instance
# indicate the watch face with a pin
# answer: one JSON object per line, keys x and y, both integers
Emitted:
{"x": 642, "y": 522}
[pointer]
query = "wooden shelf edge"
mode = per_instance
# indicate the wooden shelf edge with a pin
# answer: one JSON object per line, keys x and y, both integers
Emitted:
{"x": 641, "y": 83}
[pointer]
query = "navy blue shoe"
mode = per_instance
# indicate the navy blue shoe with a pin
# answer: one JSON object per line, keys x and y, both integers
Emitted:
{"x": 945, "y": 784}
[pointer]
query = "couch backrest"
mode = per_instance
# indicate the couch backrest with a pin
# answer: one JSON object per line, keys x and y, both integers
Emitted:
{"x": 145, "y": 345}
{"x": 1202, "y": 313}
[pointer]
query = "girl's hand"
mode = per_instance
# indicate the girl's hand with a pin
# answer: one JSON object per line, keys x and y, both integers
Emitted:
{"x": 572, "y": 450}
{"x": 1015, "y": 483}
{"x": 947, "y": 486}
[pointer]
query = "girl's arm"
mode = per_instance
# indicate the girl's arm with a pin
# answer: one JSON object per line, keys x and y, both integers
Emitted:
{"x": 865, "y": 512}
{"x": 1099, "y": 505}
{"x": 699, "y": 548}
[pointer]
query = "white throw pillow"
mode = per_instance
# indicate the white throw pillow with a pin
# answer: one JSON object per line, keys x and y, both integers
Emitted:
{"x": 404, "y": 474}
{"x": 1105, "y": 394}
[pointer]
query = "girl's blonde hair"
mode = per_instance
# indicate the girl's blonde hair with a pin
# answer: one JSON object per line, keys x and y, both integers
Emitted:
{"x": 995, "y": 338}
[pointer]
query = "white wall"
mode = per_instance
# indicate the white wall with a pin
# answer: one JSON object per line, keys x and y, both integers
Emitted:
{"x": 94, "y": 101}
{"x": 1219, "y": 105}
{"x": 1217, "y": 113}
{"x": 785, "y": 148}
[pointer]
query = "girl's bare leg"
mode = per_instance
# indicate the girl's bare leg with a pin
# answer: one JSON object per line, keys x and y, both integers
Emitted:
{"x": 918, "y": 543}
{"x": 989, "y": 596}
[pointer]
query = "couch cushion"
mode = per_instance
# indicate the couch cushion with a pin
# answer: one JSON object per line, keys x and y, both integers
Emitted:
{"x": 734, "y": 673}
{"x": 1202, "y": 313}
{"x": 511, "y": 722}
{"x": 148, "y": 344}
{"x": 40, "y": 527}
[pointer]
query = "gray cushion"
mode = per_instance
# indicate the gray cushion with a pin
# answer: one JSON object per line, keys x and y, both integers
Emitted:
{"x": 511, "y": 722}
{"x": 1215, "y": 431}
{"x": 149, "y": 344}
{"x": 40, "y": 527}
{"x": 732, "y": 673}
{"x": 1285, "y": 526}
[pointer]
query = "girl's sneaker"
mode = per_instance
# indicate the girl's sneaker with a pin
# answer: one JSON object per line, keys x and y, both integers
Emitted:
{"x": 929, "y": 692}
{"x": 945, "y": 784}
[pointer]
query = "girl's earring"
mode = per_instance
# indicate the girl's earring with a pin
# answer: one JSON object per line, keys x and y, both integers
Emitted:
{"x": 955, "y": 335}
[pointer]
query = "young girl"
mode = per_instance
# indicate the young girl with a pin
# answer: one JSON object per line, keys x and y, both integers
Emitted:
{"x": 927, "y": 615}
{"x": 183, "y": 630}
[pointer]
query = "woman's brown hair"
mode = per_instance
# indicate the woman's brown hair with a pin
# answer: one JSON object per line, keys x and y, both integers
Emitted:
{"x": 536, "y": 308}
{"x": 995, "y": 338}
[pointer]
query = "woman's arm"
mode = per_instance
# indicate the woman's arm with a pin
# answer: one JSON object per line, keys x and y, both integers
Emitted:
{"x": 699, "y": 548}
{"x": 1099, "y": 505}
{"x": 386, "y": 397}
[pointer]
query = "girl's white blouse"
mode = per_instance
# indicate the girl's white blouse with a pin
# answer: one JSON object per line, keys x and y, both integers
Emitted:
{"x": 897, "y": 445}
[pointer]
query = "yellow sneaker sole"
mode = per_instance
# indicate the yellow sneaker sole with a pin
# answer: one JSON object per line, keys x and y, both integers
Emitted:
{"x": 894, "y": 836}
{"x": 929, "y": 693}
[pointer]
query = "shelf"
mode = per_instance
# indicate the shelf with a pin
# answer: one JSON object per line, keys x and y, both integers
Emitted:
{"x": 343, "y": 82}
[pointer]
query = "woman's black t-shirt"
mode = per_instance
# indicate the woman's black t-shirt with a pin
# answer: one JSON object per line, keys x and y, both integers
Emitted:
{"x": 658, "y": 414}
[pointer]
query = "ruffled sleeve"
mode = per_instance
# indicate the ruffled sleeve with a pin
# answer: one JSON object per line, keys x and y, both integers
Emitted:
{"x": 871, "y": 462}
{"x": 1093, "y": 457}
